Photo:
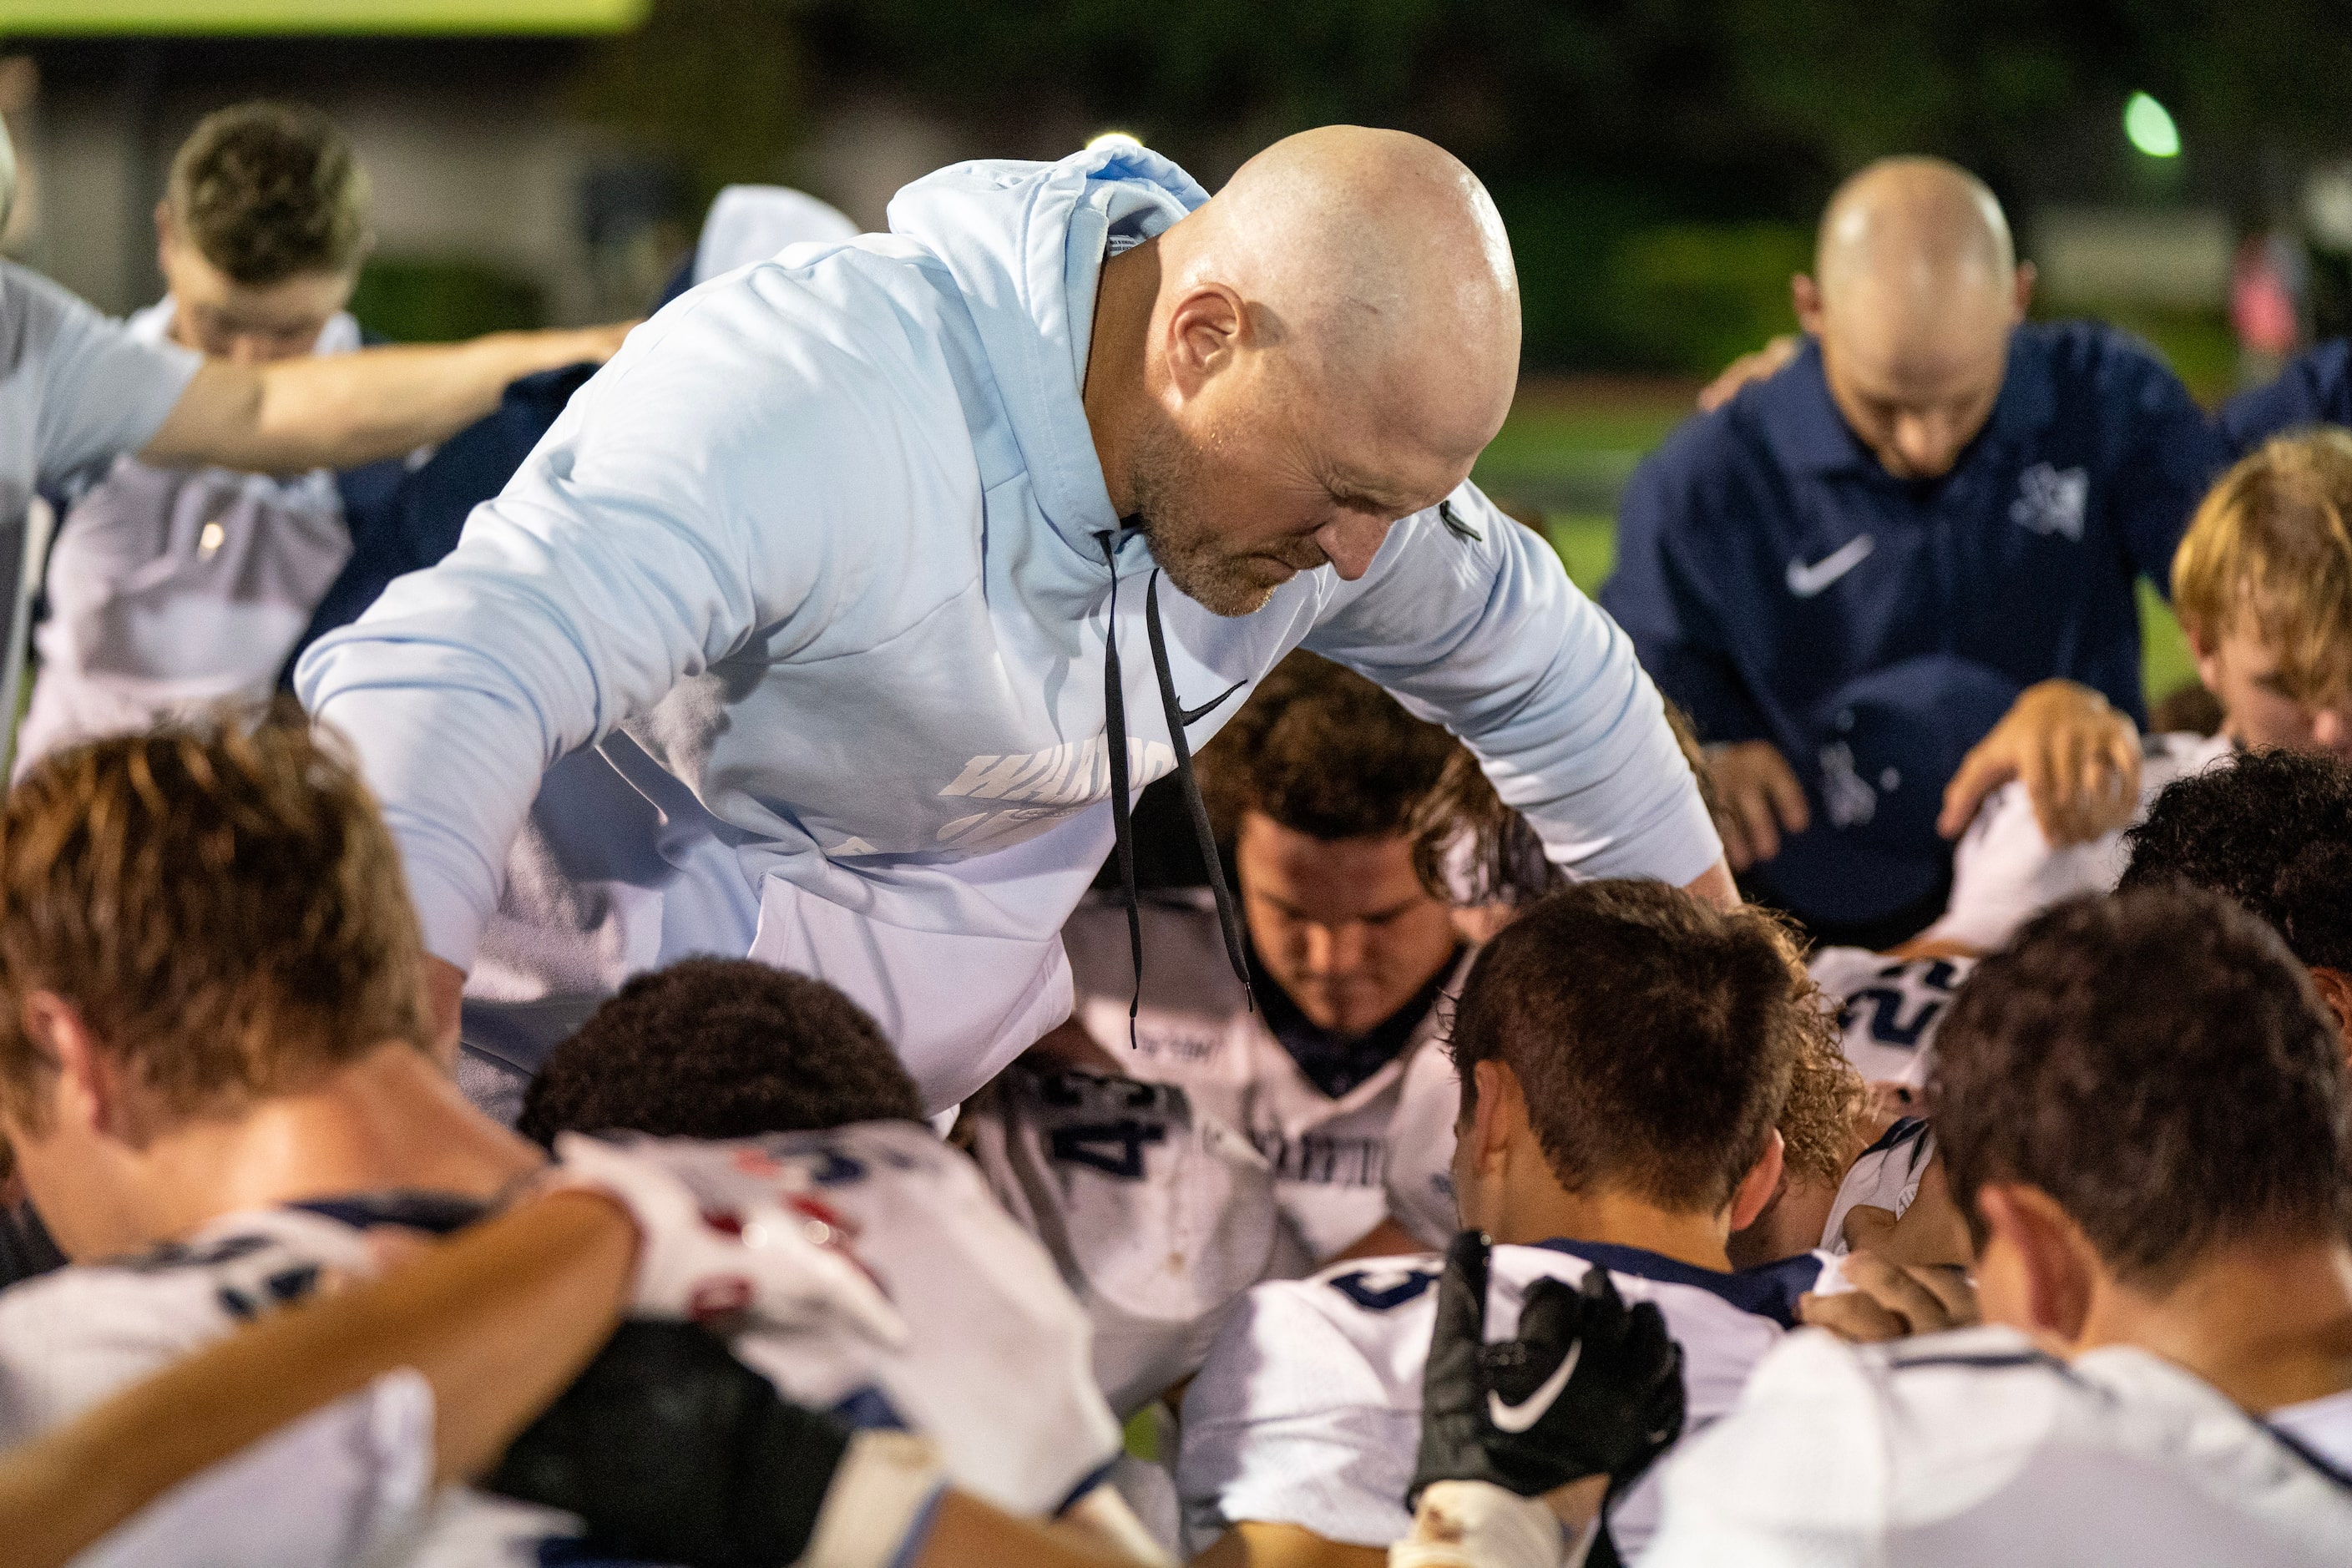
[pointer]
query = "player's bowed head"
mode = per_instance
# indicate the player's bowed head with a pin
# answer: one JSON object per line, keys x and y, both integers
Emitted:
{"x": 1322, "y": 350}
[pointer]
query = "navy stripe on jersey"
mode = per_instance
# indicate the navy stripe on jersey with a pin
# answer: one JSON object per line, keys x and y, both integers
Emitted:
{"x": 1769, "y": 1290}
{"x": 2308, "y": 1455}
{"x": 1906, "y": 1130}
{"x": 1984, "y": 1361}
{"x": 436, "y": 1214}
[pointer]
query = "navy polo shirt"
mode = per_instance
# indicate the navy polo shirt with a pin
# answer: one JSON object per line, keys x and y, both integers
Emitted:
{"x": 1766, "y": 560}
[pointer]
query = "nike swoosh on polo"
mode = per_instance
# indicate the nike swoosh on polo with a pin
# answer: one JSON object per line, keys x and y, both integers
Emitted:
{"x": 1807, "y": 581}
{"x": 1518, "y": 1418}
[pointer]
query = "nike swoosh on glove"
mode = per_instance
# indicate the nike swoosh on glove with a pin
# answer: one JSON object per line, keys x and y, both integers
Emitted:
{"x": 760, "y": 1258}
{"x": 1589, "y": 1385}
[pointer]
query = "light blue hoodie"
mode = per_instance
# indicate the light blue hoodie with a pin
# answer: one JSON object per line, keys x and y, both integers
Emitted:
{"x": 814, "y": 558}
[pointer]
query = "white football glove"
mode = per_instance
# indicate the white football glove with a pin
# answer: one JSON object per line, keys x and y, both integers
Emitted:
{"x": 761, "y": 1254}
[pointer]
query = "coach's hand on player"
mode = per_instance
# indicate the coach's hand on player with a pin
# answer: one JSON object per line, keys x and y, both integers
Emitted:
{"x": 1527, "y": 1434}
{"x": 1892, "y": 1301}
{"x": 1755, "y": 365}
{"x": 2079, "y": 758}
{"x": 752, "y": 1254}
{"x": 1757, "y": 798}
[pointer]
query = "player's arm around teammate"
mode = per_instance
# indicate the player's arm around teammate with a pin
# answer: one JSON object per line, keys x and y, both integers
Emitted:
{"x": 489, "y": 1329}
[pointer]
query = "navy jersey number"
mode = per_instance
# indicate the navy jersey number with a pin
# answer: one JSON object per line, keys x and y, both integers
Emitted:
{"x": 1383, "y": 1289}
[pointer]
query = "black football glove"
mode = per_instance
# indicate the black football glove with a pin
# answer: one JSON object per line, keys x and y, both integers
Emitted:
{"x": 1588, "y": 1387}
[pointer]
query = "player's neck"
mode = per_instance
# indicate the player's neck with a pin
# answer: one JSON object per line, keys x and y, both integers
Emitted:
{"x": 1544, "y": 1211}
{"x": 389, "y": 1121}
{"x": 2267, "y": 1325}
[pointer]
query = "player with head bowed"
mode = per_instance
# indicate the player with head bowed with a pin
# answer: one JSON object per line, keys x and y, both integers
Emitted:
{"x": 997, "y": 1367}
{"x": 1626, "y": 1052}
{"x": 1913, "y": 545}
{"x": 218, "y": 383}
{"x": 850, "y": 572}
{"x": 1324, "y": 793}
{"x": 217, "y": 1085}
{"x": 172, "y": 588}
{"x": 2144, "y": 1111}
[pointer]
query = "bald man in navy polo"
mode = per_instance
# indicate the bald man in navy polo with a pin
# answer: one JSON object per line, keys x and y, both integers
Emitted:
{"x": 1932, "y": 515}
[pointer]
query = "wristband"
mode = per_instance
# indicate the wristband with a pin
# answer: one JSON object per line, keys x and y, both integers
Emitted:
{"x": 1477, "y": 1525}
{"x": 882, "y": 1495}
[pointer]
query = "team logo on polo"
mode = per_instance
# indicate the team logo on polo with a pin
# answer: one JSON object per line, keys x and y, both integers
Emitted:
{"x": 2052, "y": 500}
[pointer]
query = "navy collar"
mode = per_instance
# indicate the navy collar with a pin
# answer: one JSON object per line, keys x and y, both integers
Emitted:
{"x": 1809, "y": 433}
{"x": 1769, "y": 1290}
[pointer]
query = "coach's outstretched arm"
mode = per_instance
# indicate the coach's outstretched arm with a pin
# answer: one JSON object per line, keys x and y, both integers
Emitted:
{"x": 656, "y": 526}
{"x": 1477, "y": 627}
{"x": 336, "y": 411}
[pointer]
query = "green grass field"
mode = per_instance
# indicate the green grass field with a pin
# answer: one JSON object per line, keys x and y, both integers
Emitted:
{"x": 1568, "y": 447}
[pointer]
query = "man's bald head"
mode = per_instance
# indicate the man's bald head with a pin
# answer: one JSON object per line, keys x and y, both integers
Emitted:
{"x": 1914, "y": 225}
{"x": 1383, "y": 267}
{"x": 1326, "y": 345}
{"x": 1916, "y": 286}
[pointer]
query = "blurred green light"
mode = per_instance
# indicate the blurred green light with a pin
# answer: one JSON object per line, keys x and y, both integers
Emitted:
{"x": 2150, "y": 128}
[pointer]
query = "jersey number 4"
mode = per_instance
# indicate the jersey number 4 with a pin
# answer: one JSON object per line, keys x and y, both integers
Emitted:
{"x": 1115, "y": 1148}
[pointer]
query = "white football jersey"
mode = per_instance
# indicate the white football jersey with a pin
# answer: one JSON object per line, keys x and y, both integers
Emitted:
{"x": 998, "y": 1367}
{"x": 1888, "y": 1008}
{"x": 172, "y": 589}
{"x": 1885, "y": 1175}
{"x": 1330, "y": 1156}
{"x": 347, "y": 1484}
{"x": 70, "y": 1338}
{"x": 1308, "y": 1411}
{"x": 370, "y": 1451}
{"x": 2004, "y": 872}
{"x": 1158, "y": 1218}
{"x": 1959, "y": 1449}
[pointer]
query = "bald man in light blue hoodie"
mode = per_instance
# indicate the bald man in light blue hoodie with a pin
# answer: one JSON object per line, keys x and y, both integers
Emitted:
{"x": 829, "y": 593}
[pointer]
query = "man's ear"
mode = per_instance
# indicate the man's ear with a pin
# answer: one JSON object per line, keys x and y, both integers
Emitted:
{"x": 1206, "y": 330}
{"x": 2027, "y": 276}
{"x": 2058, "y": 1265}
{"x": 1490, "y": 1121}
{"x": 1761, "y": 1184}
{"x": 88, "y": 1089}
{"x": 2335, "y": 988}
{"x": 1806, "y": 296}
{"x": 166, "y": 229}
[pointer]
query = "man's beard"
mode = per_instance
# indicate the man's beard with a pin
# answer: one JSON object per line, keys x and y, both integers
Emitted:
{"x": 1164, "y": 475}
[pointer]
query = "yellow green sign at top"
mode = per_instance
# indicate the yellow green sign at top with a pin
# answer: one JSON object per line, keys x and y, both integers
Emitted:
{"x": 22, "y": 18}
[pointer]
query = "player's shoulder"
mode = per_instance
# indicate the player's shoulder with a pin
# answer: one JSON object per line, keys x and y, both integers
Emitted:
{"x": 2090, "y": 354}
{"x": 69, "y": 1337}
{"x": 2170, "y": 756}
{"x": 899, "y": 1166}
{"x": 1887, "y": 1008}
{"x": 1355, "y": 1334}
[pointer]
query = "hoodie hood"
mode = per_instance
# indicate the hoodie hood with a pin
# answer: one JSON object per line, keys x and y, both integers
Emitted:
{"x": 1024, "y": 243}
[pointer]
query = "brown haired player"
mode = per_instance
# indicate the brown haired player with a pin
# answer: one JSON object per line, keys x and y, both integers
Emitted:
{"x": 2144, "y": 1111}
{"x": 218, "y": 1079}
{"x": 1626, "y": 1052}
{"x": 2262, "y": 581}
{"x": 1314, "y": 786}
{"x": 171, "y": 588}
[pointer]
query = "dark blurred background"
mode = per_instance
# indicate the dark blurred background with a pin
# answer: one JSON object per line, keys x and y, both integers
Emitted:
{"x": 2182, "y": 168}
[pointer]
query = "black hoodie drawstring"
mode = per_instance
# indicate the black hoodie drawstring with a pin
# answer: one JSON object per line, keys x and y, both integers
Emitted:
{"x": 1122, "y": 808}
